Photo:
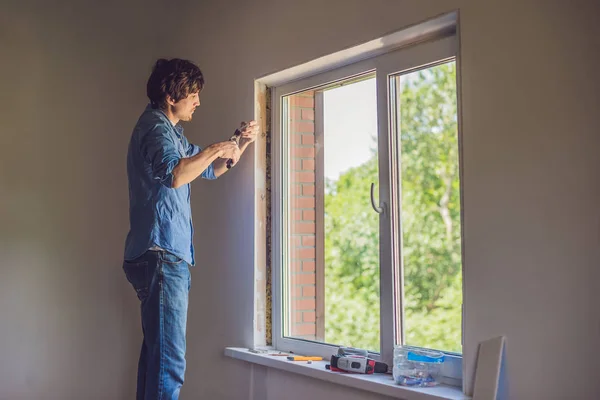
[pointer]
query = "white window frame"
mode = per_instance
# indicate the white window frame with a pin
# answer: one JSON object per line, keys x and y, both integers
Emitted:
{"x": 385, "y": 65}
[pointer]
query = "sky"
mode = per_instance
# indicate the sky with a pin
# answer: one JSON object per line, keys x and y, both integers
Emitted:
{"x": 350, "y": 126}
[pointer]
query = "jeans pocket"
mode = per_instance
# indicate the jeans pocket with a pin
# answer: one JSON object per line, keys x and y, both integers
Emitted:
{"x": 137, "y": 275}
{"x": 170, "y": 258}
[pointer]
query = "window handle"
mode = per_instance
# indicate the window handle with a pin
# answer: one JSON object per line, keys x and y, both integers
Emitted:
{"x": 377, "y": 209}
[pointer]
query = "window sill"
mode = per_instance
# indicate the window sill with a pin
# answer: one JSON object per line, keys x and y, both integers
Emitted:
{"x": 377, "y": 383}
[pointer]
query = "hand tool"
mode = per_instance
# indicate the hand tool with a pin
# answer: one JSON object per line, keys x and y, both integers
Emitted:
{"x": 302, "y": 358}
{"x": 236, "y": 138}
{"x": 356, "y": 364}
{"x": 351, "y": 351}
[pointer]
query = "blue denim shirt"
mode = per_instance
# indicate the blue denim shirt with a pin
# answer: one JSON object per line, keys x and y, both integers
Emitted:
{"x": 159, "y": 215}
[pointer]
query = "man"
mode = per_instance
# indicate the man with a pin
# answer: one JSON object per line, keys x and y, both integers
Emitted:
{"x": 161, "y": 163}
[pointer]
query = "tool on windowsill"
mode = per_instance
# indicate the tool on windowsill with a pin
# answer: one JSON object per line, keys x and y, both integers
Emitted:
{"x": 356, "y": 364}
{"x": 258, "y": 351}
{"x": 351, "y": 351}
{"x": 236, "y": 138}
{"x": 303, "y": 358}
{"x": 269, "y": 352}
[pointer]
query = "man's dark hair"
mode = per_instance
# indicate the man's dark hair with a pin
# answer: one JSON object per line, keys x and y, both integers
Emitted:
{"x": 175, "y": 78}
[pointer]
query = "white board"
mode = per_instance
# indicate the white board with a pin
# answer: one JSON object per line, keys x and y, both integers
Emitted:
{"x": 487, "y": 374}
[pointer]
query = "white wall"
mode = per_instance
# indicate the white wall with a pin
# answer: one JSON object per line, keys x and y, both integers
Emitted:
{"x": 530, "y": 101}
{"x": 72, "y": 80}
{"x": 72, "y": 84}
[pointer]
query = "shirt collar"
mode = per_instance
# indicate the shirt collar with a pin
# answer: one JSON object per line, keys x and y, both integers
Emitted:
{"x": 161, "y": 114}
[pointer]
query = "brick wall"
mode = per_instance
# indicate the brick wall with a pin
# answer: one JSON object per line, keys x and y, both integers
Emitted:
{"x": 302, "y": 224}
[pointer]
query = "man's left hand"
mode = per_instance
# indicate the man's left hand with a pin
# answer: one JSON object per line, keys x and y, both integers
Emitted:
{"x": 250, "y": 131}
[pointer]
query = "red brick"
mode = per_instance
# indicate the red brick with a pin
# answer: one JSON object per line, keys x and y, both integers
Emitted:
{"x": 308, "y": 266}
{"x": 296, "y": 190}
{"x": 302, "y": 177}
{"x": 299, "y": 317}
{"x": 297, "y": 241}
{"x": 308, "y": 165}
{"x": 297, "y": 215}
{"x": 296, "y": 266}
{"x": 308, "y": 291}
{"x": 297, "y": 163}
{"x": 308, "y": 114}
{"x": 296, "y": 113}
{"x": 303, "y": 279}
{"x": 303, "y": 127}
{"x": 304, "y": 152}
{"x": 308, "y": 215}
{"x": 303, "y": 227}
{"x": 309, "y": 316}
{"x": 306, "y": 304}
{"x": 304, "y": 202}
{"x": 308, "y": 139}
{"x": 308, "y": 240}
{"x": 301, "y": 101}
{"x": 306, "y": 252}
{"x": 297, "y": 291}
{"x": 296, "y": 139}
{"x": 308, "y": 190}
{"x": 304, "y": 329}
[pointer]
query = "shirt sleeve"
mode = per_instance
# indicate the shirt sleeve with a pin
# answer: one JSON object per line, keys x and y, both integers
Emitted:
{"x": 208, "y": 173}
{"x": 160, "y": 151}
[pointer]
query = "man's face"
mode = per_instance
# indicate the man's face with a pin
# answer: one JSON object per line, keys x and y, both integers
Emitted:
{"x": 184, "y": 108}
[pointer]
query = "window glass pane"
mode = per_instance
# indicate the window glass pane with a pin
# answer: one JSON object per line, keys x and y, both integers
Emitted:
{"x": 430, "y": 215}
{"x": 351, "y": 225}
{"x": 300, "y": 308}
{"x": 333, "y": 262}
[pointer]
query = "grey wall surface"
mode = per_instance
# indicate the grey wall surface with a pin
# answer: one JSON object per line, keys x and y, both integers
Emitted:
{"x": 531, "y": 188}
{"x": 73, "y": 83}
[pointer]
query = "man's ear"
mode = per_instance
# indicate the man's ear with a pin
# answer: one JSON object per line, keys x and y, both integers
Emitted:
{"x": 170, "y": 101}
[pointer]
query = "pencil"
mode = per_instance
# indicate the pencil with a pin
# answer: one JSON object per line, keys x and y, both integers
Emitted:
{"x": 301, "y": 358}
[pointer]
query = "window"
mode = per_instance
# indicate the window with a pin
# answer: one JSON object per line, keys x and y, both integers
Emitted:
{"x": 367, "y": 248}
{"x": 425, "y": 128}
{"x": 329, "y": 155}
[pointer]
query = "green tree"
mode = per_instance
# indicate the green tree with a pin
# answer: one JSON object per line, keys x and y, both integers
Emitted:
{"x": 352, "y": 260}
{"x": 430, "y": 219}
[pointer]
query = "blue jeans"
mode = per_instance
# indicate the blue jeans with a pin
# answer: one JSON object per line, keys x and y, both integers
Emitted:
{"x": 162, "y": 283}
